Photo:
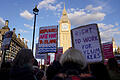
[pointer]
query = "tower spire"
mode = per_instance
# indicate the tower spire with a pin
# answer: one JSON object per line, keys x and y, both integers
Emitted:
{"x": 113, "y": 39}
{"x": 65, "y": 33}
{"x": 64, "y": 5}
{"x": 64, "y": 10}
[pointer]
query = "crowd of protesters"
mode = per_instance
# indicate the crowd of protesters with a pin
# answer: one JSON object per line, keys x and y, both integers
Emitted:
{"x": 69, "y": 66}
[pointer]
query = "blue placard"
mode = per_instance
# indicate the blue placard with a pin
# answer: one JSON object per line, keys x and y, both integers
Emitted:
{"x": 7, "y": 40}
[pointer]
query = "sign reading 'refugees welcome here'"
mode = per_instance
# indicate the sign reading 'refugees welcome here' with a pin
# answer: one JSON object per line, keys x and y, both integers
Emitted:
{"x": 87, "y": 40}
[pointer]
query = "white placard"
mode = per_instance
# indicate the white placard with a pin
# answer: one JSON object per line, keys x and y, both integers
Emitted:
{"x": 41, "y": 56}
{"x": 48, "y": 37}
{"x": 87, "y": 40}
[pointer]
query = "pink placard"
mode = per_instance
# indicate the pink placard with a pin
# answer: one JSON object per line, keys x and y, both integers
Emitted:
{"x": 107, "y": 50}
{"x": 59, "y": 52}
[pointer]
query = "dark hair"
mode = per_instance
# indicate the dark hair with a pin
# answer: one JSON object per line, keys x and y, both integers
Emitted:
{"x": 23, "y": 57}
{"x": 39, "y": 74}
{"x": 100, "y": 71}
{"x": 112, "y": 64}
{"x": 35, "y": 62}
{"x": 71, "y": 68}
{"x": 52, "y": 70}
{"x": 5, "y": 70}
{"x": 6, "y": 65}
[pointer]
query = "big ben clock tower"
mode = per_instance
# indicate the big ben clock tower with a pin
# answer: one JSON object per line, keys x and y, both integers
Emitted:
{"x": 64, "y": 30}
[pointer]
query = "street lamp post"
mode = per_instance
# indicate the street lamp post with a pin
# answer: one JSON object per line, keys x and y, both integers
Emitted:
{"x": 35, "y": 12}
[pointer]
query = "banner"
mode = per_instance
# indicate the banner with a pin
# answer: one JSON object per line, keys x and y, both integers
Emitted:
{"x": 48, "y": 59}
{"x": 87, "y": 40}
{"x": 7, "y": 40}
{"x": 48, "y": 39}
{"x": 59, "y": 52}
{"x": 39, "y": 56}
{"x": 107, "y": 50}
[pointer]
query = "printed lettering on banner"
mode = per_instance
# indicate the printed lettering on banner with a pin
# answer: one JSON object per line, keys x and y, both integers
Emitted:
{"x": 48, "y": 37}
{"x": 87, "y": 40}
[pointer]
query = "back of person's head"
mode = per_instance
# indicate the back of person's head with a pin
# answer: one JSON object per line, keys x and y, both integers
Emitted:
{"x": 53, "y": 69}
{"x": 39, "y": 75}
{"x": 6, "y": 65}
{"x": 4, "y": 71}
{"x": 100, "y": 71}
{"x": 112, "y": 64}
{"x": 58, "y": 57}
{"x": 35, "y": 62}
{"x": 23, "y": 57}
{"x": 73, "y": 55}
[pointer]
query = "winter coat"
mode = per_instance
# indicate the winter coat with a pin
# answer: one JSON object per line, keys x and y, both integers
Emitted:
{"x": 24, "y": 73}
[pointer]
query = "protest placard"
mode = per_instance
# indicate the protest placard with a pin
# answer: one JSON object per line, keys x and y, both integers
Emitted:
{"x": 39, "y": 56}
{"x": 48, "y": 39}
{"x": 107, "y": 50}
{"x": 7, "y": 40}
{"x": 59, "y": 52}
{"x": 87, "y": 40}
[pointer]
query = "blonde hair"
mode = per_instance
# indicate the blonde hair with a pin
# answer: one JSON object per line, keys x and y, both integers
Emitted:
{"x": 75, "y": 56}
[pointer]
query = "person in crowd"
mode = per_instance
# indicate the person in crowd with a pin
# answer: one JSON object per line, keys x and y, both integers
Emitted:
{"x": 4, "y": 71}
{"x": 113, "y": 69}
{"x": 53, "y": 68}
{"x": 100, "y": 71}
{"x": 35, "y": 64}
{"x": 39, "y": 74}
{"x": 22, "y": 68}
{"x": 72, "y": 62}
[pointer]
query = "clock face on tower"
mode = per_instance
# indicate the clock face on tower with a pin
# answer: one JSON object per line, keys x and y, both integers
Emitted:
{"x": 64, "y": 27}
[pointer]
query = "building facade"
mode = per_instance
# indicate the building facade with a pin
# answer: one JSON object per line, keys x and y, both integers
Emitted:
{"x": 118, "y": 50}
{"x": 65, "y": 31}
{"x": 114, "y": 45}
{"x": 15, "y": 45}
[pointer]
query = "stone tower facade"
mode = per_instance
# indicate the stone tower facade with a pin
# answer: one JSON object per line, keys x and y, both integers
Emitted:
{"x": 114, "y": 45}
{"x": 65, "y": 31}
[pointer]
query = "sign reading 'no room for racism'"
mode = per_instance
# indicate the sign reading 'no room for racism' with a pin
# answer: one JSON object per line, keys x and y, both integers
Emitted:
{"x": 87, "y": 40}
{"x": 48, "y": 37}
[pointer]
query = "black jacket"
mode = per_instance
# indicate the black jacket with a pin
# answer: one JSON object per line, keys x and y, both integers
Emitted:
{"x": 24, "y": 73}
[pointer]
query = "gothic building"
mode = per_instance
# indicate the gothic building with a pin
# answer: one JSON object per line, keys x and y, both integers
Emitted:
{"x": 65, "y": 31}
{"x": 114, "y": 45}
{"x": 118, "y": 50}
{"x": 115, "y": 48}
{"x": 15, "y": 45}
